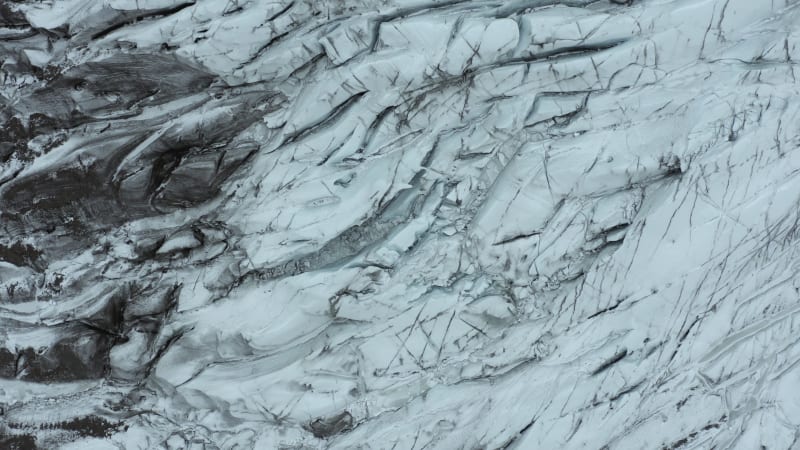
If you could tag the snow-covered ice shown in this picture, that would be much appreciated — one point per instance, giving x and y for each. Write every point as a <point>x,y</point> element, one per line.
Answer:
<point>406,224</point>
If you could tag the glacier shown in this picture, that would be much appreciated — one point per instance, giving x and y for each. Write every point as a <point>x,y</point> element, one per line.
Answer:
<point>399,224</point>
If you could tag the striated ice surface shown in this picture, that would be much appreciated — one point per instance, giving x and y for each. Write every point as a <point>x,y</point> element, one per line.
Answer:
<point>399,224</point>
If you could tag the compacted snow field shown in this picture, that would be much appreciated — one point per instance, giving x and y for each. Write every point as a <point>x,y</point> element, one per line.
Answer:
<point>399,224</point>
